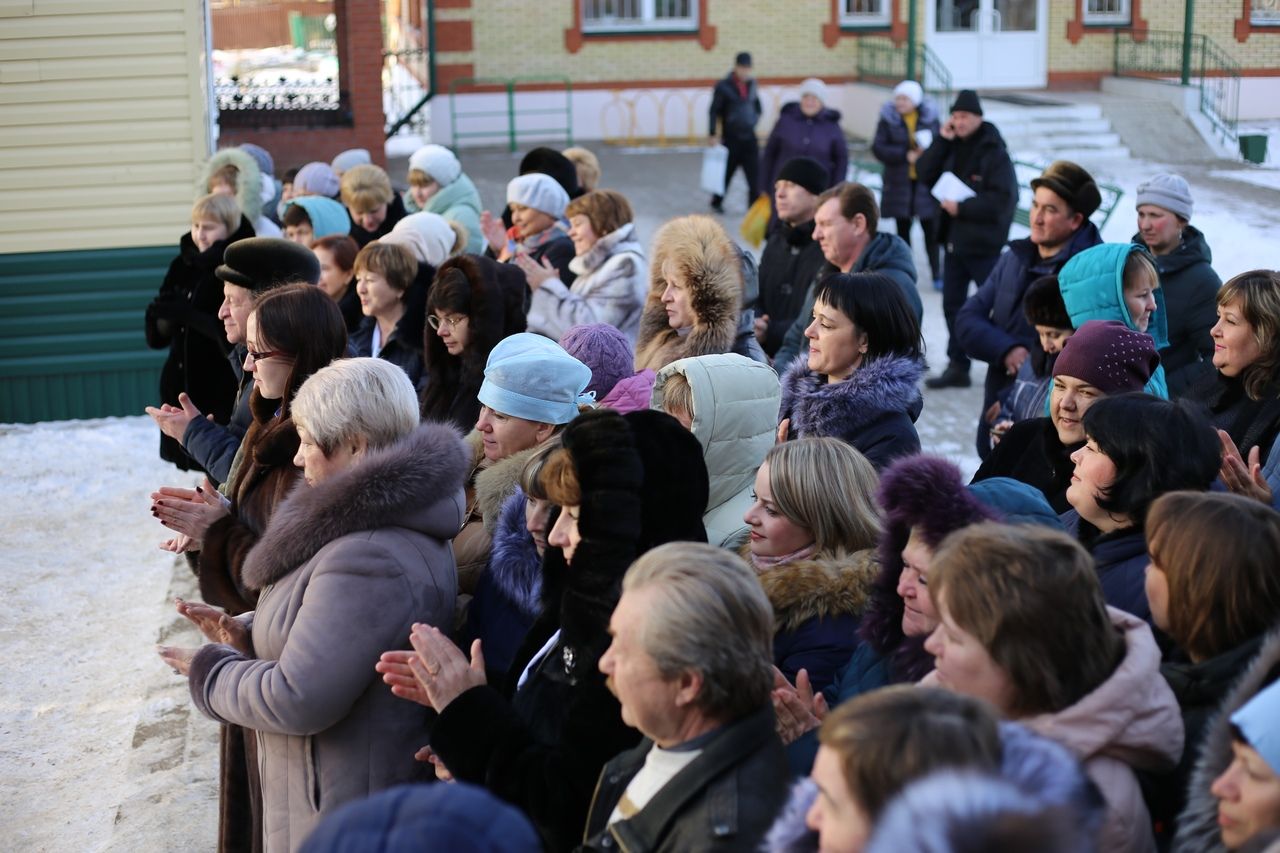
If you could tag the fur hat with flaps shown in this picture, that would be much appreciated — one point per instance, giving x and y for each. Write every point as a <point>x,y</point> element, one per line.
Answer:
<point>702,258</point>
<point>1073,184</point>
<point>925,493</point>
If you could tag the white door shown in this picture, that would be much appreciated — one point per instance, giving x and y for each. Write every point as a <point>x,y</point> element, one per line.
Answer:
<point>990,43</point>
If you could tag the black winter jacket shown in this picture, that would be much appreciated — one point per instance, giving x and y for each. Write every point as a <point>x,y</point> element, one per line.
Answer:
<point>212,445</point>
<point>1190,298</point>
<point>736,115</point>
<point>395,212</point>
<point>725,799</point>
<point>789,266</point>
<point>1031,453</point>
<point>981,225</point>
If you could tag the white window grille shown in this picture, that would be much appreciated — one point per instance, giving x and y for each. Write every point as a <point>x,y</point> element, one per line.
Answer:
<point>1107,12</point>
<point>863,13</point>
<point>629,16</point>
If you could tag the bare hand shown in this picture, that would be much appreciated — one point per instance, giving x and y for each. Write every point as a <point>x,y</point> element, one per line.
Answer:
<point>176,658</point>
<point>797,709</point>
<point>173,420</point>
<point>999,429</point>
<point>495,233</point>
<point>992,412</point>
<point>394,667</point>
<point>761,327</point>
<point>180,544</point>
<point>1244,479</point>
<point>913,155</point>
<point>1013,360</point>
<point>534,273</point>
<point>440,668</point>
<point>948,129</point>
<point>429,755</point>
<point>191,517</point>
<point>784,430</point>
<point>216,625</point>
<point>951,206</point>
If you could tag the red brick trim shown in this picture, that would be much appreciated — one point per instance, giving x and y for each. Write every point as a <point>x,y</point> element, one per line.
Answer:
<point>446,73</point>
<point>454,36</point>
<point>705,35</point>
<point>1076,79</point>
<point>1076,27</point>
<point>833,31</point>
<point>453,4</point>
<point>1244,28</point>
<point>682,83</point>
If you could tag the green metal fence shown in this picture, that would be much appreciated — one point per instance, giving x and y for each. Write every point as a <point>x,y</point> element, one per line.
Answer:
<point>505,123</point>
<point>1159,54</point>
<point>883,62</point>
<point>71,335</point>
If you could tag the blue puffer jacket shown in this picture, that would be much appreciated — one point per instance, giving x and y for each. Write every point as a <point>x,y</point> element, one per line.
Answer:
<point>1092,285</point>
<point>887,254</point>
<point>890,146</point>
<point>991,322</point>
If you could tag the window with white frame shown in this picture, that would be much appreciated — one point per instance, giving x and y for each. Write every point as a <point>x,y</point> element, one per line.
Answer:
<point>628,16</point>
<point>1106,12</point>
<point>864,13</point>
<point>1264,13</point>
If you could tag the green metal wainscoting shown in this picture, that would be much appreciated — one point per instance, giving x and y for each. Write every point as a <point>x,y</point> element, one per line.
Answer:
<point>71,337</point>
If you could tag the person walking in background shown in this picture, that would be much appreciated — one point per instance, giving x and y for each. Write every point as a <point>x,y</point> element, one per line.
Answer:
<point>907,127</point>
<point>973,228</point>
<point>735,106</point>
<point>807,128</point>
<point>1187,278</point>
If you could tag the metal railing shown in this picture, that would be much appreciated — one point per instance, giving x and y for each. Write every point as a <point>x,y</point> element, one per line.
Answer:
<point>406,80</point>
<point>511,130</point>
<point>883,62</point>
<point>1158,54</point>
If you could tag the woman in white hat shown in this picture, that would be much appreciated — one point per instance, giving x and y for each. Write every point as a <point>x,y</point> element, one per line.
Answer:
<point>806,128</point>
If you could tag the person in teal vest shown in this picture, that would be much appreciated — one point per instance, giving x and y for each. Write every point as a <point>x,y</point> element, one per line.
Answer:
<point>1118,281</point>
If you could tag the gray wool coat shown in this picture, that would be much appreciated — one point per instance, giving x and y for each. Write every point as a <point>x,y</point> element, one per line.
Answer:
<point>345,568</point>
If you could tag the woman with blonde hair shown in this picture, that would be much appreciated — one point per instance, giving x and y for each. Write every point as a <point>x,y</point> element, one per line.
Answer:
<point>814,528</point>
<point>695,293</point>
<point>374,207</point>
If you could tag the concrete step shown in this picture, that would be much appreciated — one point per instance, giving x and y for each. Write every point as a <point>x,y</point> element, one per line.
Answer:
<point>1047,127</point>
<point>1065,140</point>
<point>1082,154</point>
<point>995,112</point>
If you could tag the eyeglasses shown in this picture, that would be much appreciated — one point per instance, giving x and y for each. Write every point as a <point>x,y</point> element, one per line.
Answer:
<point>452,322</point>
<point>271,353</point>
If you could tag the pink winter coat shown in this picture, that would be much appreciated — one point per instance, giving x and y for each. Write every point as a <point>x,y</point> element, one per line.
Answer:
<point>631,394</point>
<point>1131,722</point>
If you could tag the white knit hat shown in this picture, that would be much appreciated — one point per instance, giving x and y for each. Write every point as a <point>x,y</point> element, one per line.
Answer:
<point>438,162</point>
<point>539,191</point>
<point>814,86</point>
<point>913,90</point>
<point>427,235</point>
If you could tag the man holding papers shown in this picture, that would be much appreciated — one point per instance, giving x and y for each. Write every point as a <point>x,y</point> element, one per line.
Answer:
<point>972,177</point>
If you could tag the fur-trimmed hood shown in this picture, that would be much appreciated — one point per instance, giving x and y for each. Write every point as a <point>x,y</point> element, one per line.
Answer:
<point>820,587</point>
<point>706,260</point>
<point>1198,830</point>
<point>248,182</point>
<point>880,386</point>
<point>514,565</point>
<point>416,483</point>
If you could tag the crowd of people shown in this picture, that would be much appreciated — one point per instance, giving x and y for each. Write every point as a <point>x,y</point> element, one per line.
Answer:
<point>521,532</point>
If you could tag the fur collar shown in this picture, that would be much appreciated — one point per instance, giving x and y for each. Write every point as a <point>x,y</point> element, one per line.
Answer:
<point>408,484</point>
<point>496,481</point>
<point>881,386</point>
<point>1198,824</point>
<point>514,565</point>
<point>822,586</point>
<point>706,259</point>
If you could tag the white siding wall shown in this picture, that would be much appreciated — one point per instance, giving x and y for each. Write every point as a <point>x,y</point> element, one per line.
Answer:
<point>103,123</point>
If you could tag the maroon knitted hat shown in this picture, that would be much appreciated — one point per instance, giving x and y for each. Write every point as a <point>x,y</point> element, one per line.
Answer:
<point>1109,356</point>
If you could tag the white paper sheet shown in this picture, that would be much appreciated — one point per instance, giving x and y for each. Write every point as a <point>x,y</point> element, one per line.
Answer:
<point>951,188</point>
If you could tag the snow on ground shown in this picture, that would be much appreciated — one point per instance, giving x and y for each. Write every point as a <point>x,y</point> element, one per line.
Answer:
<point>95,747</point>
<point>1257,177</point>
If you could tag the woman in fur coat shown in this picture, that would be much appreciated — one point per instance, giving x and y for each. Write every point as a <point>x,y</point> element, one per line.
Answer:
<point>625,484</point>
<point>695,294</point>
<point>814,554</point>
<point>348,564</point>
<point>860,382</point>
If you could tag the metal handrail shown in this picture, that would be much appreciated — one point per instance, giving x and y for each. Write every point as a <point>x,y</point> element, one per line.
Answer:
<point>511,132</point>
<point>1159,54</point>
<point>882,61</point>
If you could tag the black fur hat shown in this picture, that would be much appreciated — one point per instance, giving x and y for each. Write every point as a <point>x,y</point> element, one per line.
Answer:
<point>1043,304</point>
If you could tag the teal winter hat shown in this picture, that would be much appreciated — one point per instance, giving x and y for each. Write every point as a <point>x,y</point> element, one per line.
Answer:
<point>1259,722</point>
<point>532,377</point>
<point>327,216</point>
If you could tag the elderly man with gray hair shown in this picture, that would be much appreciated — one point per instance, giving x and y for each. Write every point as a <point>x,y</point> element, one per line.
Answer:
<point>690,663</point>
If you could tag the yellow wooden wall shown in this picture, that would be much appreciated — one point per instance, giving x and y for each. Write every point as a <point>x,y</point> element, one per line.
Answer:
<point>103,123</point>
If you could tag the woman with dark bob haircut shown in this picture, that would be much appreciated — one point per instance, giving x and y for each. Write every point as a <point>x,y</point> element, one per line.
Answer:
<point>861,380</point>
<point>1214,591</point>
<point>1137,448</point>
<point>1023,626</point>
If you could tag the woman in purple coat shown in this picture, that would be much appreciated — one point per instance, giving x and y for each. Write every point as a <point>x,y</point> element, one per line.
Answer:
<point>806,129</point>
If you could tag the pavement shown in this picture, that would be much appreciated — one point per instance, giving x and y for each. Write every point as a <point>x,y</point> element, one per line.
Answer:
<point>664,183</point>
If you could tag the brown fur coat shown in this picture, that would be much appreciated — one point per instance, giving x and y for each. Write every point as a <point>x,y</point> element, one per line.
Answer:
<point>703,258</point>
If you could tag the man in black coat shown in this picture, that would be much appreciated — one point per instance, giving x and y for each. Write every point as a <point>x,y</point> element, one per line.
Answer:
<point>735,105</point>
<point>973,230</point>
<point>691,665</point>
<point>792,258</point>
